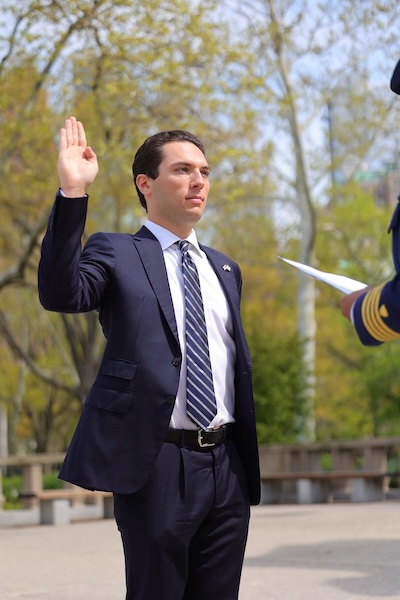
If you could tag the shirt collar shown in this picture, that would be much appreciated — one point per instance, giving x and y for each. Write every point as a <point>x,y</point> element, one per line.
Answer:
<point>167,238</point>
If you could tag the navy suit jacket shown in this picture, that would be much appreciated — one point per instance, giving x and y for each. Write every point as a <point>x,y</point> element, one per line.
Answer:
<point>127,411</point>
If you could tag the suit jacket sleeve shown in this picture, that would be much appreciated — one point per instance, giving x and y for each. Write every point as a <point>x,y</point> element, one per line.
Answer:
<point>70,280</point>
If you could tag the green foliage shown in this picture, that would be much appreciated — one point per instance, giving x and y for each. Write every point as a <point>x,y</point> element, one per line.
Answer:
<point>353,237</point>
<point>279,386</point>
<point>379,375</point>
<point>357,387</point>
<point>245,232</point>
<point>128,69</point>
<point>12,487</point>
<point>51,481</point>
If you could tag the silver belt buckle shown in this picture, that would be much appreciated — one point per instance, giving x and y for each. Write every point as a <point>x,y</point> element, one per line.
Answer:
<point>200,440</point>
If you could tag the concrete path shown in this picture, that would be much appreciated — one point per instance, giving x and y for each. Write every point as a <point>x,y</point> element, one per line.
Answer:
<point>313,552</point>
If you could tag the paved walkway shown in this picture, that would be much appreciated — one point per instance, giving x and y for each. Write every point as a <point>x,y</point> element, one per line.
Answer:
<point>313,552</point>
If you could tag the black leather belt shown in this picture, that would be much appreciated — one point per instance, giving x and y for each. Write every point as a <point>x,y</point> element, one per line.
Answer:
<point>202,438</point>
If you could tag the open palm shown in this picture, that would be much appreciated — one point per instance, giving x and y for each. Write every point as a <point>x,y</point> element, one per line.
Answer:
<point>77,163</point>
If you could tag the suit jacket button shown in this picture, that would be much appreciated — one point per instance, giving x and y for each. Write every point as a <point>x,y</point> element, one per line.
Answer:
<point>177,361</point>
<point>170,399</point>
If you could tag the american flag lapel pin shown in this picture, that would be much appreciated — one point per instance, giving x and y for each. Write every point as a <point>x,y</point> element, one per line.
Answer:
<point>226,268</point>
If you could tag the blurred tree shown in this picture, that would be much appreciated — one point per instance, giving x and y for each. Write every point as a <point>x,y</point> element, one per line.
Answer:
<point>307,54</point>
<point>246,232</point>
<point>126,70</point>
<point>280,385</point>
<point>254,80</point>
<point>357,387</point>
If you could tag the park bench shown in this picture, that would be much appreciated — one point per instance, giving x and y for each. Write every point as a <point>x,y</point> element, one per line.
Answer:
<point>358,470</point>
<point>318,486</point>
<point>61,506</point>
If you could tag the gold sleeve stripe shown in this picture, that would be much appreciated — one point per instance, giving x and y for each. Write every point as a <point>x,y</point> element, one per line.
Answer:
<point>372,320</point>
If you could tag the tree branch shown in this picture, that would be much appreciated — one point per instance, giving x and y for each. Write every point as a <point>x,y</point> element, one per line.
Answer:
<point>43,375</point>
<point>16,272</point>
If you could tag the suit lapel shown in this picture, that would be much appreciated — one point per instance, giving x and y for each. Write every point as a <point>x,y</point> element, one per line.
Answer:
<point>226,275</point>
<point>152,259</point>
<point>225,271</point>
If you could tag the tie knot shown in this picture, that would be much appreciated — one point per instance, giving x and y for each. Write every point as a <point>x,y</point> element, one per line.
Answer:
<point>183,246</point>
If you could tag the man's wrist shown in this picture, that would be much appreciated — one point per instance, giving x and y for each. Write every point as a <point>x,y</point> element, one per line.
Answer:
<point>72,192</point>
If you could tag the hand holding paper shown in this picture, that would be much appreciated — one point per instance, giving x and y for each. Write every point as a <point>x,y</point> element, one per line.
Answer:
<point>340,282</point>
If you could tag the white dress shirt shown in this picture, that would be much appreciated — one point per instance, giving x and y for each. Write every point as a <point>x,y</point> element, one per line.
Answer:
<point>219,327</point>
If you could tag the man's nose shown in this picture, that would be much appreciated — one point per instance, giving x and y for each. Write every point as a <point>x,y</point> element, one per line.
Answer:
<point>197,179</point>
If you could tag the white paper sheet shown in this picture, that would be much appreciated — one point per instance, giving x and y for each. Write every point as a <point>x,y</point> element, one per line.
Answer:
<point>340,282</point>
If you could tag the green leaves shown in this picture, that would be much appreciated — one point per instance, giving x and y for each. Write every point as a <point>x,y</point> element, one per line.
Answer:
<point>254,81</point>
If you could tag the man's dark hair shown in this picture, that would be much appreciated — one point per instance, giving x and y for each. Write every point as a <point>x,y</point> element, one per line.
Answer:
<point>150,154</point>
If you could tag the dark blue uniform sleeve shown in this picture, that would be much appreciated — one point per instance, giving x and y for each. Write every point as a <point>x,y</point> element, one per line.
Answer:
<point>376,314</point>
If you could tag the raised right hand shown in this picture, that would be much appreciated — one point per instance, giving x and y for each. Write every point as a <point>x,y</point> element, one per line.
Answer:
<point>77,163</point>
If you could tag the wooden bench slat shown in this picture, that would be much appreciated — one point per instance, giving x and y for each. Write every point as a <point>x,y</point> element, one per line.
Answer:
<point>66,494</point>
<point>313,475</point>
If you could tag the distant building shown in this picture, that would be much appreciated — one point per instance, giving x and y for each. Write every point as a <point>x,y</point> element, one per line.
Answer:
<point>383,184</point>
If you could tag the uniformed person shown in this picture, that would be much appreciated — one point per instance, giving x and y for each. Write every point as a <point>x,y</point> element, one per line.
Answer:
<point>375,311</point>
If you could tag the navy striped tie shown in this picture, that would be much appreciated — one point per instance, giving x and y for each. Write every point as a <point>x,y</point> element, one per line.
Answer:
<point>201,404</point>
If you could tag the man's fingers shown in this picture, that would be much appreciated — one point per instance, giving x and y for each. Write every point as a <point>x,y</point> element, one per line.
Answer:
<point>63,139</point>
<point>68,132</point>
<point>74,133</point>
<point>81,134</point>
<point>77,163</point>
<point>89,154</point>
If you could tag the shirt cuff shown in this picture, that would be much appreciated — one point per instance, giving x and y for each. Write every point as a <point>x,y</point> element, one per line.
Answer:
<point>61,193</point>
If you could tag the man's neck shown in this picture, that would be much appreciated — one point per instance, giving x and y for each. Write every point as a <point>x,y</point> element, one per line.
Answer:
<point>180,232</point>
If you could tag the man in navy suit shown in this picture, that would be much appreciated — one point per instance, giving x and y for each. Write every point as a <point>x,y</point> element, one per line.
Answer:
<point>181,492</point>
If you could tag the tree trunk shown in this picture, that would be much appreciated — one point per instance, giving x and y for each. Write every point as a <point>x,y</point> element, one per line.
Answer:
<point>306,323</point>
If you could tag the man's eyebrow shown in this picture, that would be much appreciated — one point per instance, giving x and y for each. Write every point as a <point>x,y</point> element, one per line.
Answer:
<point>189,164</point>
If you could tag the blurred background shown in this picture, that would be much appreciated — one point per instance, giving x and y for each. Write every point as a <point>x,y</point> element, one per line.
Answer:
<point>292,101</point>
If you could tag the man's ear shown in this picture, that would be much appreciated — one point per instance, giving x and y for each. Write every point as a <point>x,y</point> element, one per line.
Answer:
<point>142,182</point>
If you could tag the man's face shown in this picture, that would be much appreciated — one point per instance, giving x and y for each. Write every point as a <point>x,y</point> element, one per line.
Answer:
<point>176,199</point>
